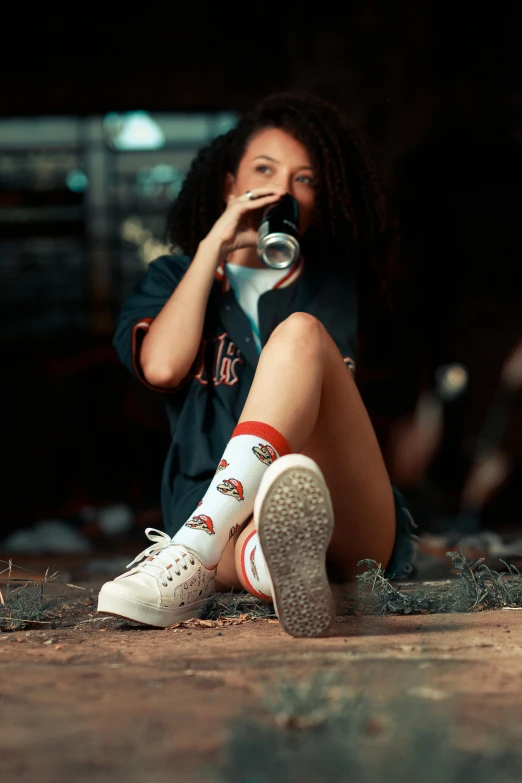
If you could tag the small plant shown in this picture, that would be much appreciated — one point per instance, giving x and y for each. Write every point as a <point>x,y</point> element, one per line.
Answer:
<point>311,702</point>
<point>322,731</point>
<point>477,588</point>
<point>238,605</point>
<point>23,601</point>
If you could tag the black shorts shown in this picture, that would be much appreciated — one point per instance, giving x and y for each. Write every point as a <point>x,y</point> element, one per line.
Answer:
<point>401,565</point>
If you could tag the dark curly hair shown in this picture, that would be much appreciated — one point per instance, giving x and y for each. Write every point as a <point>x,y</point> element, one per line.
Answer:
<point>352,218</point>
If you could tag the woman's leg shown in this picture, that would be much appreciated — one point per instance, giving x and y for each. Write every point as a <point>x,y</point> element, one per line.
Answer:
<point>303,388</point>
<point>227,575</point>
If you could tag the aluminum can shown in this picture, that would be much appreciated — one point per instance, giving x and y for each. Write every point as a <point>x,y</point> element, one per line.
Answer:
<point>278,243</point>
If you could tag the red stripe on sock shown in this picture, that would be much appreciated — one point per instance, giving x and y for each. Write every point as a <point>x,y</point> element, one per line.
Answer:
<point>265,431</point>
<point>251,587</point>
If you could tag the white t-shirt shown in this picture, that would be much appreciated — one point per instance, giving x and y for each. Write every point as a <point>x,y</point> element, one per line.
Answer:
<point>248,284</point>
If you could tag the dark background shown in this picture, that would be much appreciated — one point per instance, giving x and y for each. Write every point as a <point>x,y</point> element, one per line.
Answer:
<point>437,88</point>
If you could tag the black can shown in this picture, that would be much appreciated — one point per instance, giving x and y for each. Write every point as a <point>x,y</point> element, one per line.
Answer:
<point>278,243</point>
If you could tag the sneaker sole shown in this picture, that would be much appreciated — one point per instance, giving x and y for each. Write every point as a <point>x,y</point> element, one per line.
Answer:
<point>295,524</point>
<point>121,605</point>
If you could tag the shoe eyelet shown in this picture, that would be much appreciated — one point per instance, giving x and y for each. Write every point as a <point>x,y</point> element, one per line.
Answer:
<point>192,562</point>
<point>164,584</point>
<point>184,567</point>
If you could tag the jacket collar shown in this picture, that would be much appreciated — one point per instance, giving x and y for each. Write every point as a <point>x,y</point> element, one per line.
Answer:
<point>234,319</point>
<point>294,272</point>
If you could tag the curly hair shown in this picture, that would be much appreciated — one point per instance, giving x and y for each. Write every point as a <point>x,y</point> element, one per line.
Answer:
<point>352,217</point>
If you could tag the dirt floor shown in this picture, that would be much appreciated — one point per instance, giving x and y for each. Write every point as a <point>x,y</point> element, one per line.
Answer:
<point>87,697</point>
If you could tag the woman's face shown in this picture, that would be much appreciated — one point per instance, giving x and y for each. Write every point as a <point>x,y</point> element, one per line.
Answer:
<point>274,157</point>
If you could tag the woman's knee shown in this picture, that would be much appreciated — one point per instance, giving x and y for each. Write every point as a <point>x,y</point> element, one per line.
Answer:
<point>299,329</point>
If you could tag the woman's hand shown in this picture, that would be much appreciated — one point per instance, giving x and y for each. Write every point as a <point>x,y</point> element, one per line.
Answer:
<point>237,227</point>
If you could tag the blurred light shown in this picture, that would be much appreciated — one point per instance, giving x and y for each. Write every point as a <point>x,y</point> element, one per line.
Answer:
<point>132,230</point>
<point>452,381</point>
<point>77,181</point>
<point>158,180</point>
<point>115,520</point>
<point>223,122</point>
<point>173,190</point>
<point>512,370</point>
<point>149,248</point>
<point>163,173</point>
<point>135,130</point>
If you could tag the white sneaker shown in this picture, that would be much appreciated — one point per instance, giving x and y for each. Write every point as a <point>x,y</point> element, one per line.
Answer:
<point>294,518</point>
<point>170,585</point>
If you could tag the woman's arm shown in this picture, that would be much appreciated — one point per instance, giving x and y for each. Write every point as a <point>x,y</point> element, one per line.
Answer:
<point>166,361</point>
<point>165,358</point>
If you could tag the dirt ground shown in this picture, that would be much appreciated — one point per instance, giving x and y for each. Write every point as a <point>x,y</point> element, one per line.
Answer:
<point>102,699</point>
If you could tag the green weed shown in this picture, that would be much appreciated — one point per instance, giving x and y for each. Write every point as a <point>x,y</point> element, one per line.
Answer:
<point>476,588</point>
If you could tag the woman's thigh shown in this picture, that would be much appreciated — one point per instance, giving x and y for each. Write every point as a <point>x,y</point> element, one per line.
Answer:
<point>345,447</point>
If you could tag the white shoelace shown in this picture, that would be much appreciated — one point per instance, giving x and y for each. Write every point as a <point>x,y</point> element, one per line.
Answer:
<point>153,553</point>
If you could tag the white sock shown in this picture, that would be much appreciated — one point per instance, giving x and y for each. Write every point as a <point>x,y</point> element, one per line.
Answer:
<point>254,568</point>
<point>229,500</point>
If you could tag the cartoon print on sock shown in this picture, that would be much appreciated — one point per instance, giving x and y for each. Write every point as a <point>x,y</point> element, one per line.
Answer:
<point>231,487</point>
<point>222,465</point>
<point>201,522</point>
<point>253,565</point>
<point>265,453</point>
<point>233,530</point>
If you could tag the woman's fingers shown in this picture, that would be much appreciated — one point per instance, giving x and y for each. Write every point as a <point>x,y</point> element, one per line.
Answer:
<point>237,226</point>
<point>251,205</point>
<point>257,193</point>
<point>259,197</point>
<point>239,212</point>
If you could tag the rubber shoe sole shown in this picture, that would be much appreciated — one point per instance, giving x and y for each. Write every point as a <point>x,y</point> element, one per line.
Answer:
<point>294,520</point>
<point>112,602</point>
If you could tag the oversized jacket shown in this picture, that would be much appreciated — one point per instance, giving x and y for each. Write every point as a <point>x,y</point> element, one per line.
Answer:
<point>204,410</point>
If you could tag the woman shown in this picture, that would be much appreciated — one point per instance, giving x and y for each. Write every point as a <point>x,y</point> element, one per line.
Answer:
<point>256,368</point>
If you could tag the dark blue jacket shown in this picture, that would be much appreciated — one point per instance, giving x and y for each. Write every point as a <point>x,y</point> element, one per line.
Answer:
<point>204,410</point>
